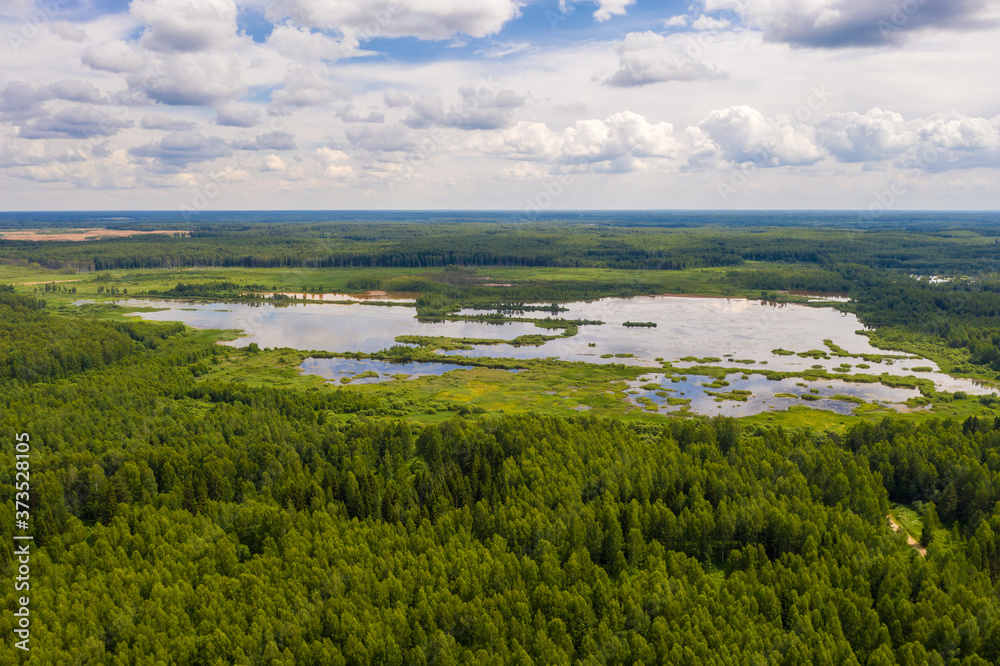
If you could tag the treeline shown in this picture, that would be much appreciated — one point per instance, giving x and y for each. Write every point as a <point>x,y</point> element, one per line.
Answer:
<point>534,244</point>
<point>220,289</point>
<point>964,313</point>
<point>36,347</point>
<point>191,521</point>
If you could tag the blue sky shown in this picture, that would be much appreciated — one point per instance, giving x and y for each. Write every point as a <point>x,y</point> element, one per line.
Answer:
<point>863,105</point>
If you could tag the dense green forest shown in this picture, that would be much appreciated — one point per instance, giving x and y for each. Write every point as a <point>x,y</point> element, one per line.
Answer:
<point>182,518</point>
<point>182,521</point>
<point>948,249</point>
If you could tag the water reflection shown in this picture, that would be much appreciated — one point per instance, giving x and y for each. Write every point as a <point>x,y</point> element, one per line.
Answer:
<point>368,297</point>
<point>761,394</point>
<point>369,371</point>
<point>737,332</point>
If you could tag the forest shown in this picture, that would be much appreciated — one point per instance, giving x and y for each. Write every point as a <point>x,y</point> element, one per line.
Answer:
<point>950,248</point>
<point>180,518</point>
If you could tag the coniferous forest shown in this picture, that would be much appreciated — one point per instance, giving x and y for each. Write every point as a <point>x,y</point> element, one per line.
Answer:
<point>182,518</point>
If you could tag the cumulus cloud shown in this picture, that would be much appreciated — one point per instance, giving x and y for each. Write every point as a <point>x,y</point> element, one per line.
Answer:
<point>481,108</point>
<point>20,152</point>
<point>177,150</point>
<point>390,139</point>
<point>743,134</point>
<point>75,122</point>
<point>186,54</point>
<point>621,142</point>
<point>307,87</point>
<point>838,23</point>
<point>273,163</point>
<point>608,8</point>
<point>161,121</point>
<point>114,56</point>
<point>425,19</point>
<point>77,91</point>
<point>195,79</point>
<point>395,99</point>
<point>24,99</point>
<point>348,116</point>
<point>267,141</point>
<point>237,115</point>
<point>853,137</point>
<point>303,45</point>
<point>704,23</point>
<point>936,143</point>
<point>108,172</point>
<point>628,141</point>
<point>185,25</point>
<point>648,57</point>
<point>69,32</point>
<point>334,163</point>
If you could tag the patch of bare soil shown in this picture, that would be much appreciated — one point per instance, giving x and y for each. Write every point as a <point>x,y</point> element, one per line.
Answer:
<point>76,235</point>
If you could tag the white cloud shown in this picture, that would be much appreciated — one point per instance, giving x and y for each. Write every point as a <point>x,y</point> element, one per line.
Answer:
<point>648,57</point>
<point>302,45</point>
<point>482,107</point>
<point>937,143</point>
<point>177,150</point>
<point>75,122</point>
<point>334,163</point>
<point>707,23</point>
<point>21,152</point>
<point>378,140</point>
<point>836,23</point>
<point>426,19</point>
<point>108,172</point>
<point>68,31</point>
<point>185,25</point>
<point>680,21</point>
<point>196,79</point>
<point>274,163</point>
<point>21,100</point>
<point>308,87</point>
<point>876,135</point>
<point>77,91</point>
<point>395,99</point>
<point>267,141</point>
<point>608,8</point>
<point>348,116</point>
<point>163,122</point>
<point>622,142</point>
<point>743,134</point>
<point>237,115</point>
<point>114,56</point>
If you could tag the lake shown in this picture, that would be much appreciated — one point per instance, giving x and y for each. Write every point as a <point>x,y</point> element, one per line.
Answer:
<point>740,333</point>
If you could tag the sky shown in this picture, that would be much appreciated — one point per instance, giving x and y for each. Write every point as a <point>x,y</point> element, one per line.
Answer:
<point>523,105</point>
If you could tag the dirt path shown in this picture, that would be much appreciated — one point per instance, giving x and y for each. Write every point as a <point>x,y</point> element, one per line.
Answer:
<point>896,527</point>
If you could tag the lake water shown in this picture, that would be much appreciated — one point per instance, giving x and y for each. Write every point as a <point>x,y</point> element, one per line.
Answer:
<point>369,297</point>
<point>729,329</point>
<point>765,395</point>
<point>337,369</point>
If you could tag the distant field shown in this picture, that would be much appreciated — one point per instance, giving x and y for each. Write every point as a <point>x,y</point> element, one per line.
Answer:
<point>78,235</point>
